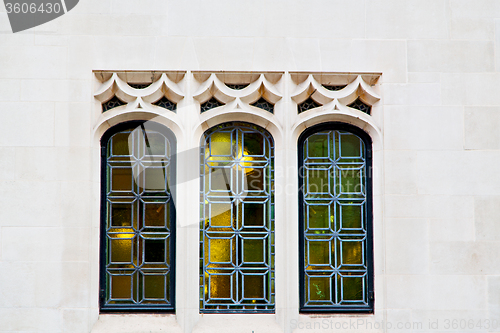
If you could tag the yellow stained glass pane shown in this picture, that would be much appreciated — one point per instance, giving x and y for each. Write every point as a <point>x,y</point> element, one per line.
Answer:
<point>350,145</point>
<point>121,249</point>
<point>220,250</point>
<point>319,288</point>
<point>220,143</point>
<point>121,179</point>
<point>352,253</point>
<point>317,181</point>
<point>154,286</point>
<point>253,250</point>
<point>254,286</point>
<point>352,288</point>
<point>220,286</point>
<point>121,286</point>
<point>319,216</point>
<point>319,252</point>
<point>220,214</point>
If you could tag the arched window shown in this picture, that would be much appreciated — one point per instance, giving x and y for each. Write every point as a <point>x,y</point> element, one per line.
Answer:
<point>137,217</point>
<point>335,217</point>
<point>237,219</point>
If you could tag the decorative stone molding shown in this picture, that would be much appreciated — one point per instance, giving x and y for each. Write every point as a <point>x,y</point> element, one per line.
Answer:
<point>351,87</point>
<point>133,98</point>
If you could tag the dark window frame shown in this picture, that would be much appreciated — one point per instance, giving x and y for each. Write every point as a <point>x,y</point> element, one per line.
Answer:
<point>369,221</point>
<point>105,139</point>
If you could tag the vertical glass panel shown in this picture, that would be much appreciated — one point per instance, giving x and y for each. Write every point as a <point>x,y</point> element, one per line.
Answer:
<point>138,231</point>
<point>333,221</point>
<point>237,245</point>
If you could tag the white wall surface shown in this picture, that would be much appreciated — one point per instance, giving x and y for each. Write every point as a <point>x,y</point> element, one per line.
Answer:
<point>437,233</point>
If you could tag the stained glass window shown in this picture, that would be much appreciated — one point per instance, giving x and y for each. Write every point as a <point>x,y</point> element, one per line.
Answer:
<point>358,104</point>
<point>335,220</point>
<point>308,104</point>
<point>138,218</point>
<point>237,220</point>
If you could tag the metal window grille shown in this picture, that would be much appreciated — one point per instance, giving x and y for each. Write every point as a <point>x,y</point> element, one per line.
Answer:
<point>335,221</point>
<point>138,218</point>
<point>237,220</point>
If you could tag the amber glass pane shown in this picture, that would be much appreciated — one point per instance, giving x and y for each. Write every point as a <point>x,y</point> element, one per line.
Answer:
<point>155,214</point>
<point>255,179</point>
<point>220,286</point>
<point>154,286</point>
<point>319,252</point>
<point>121,286</point>
<point>254,286</point>
<point>352,288</point>
<point>319,288</point>
<point>121,250</point>
<point>317,145</point>
<point>319,217</point>
<point>121,179</point>
<point>253,250</point>
<point>120,145</point>
<point>220,250</point>
<point>349,145</point>
<point>352,252</point>
<point>121,215</point>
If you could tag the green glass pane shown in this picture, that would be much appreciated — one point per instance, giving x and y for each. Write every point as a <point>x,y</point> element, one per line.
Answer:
<point>155,214</point>
<point>220,286</point>
<point>352,252</point>
<point>254,214</point>
<point>254,286</point>
<point>154,286</point>
<point>253,250</point>
<point>220,250</point>
<point>121,286</point>
<point>121,215</point>
<point>253,144</point>
<point>154,250</point>
<point>352,288</point>
<point>317,181</point>
<point>351,216</point>
<point>319,252</point>
<point>319,288</point>
<point>154,179</point>
<point>350,145</point>
<point>156,144</point>
<point>221,215</point>
<point>317,145</point>
<point>119,144</point>
<point>121,179</point>
<point>220,143</point>
<point>350,180</point>
<point>121,249</point>
<point>319,216</point>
